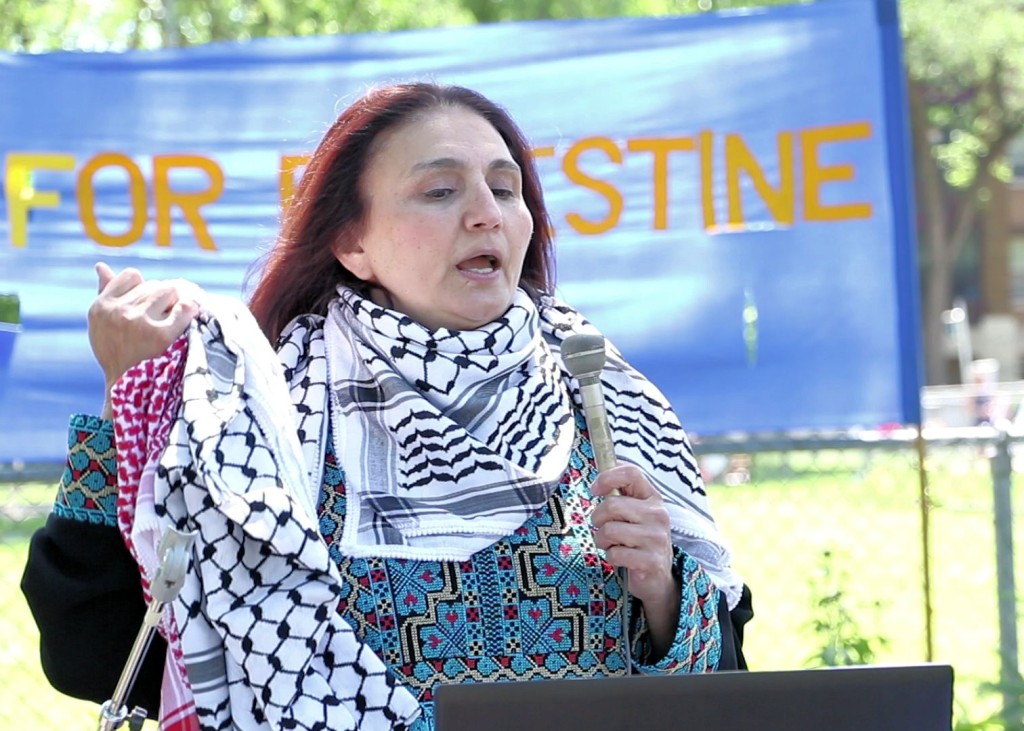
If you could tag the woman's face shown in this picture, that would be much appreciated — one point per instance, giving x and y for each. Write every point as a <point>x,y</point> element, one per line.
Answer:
<point>446,227</point>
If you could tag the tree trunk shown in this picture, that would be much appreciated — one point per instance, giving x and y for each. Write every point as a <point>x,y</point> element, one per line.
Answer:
<point>938,297</point>
<point>935,267</point>
<point>169,25</point>
<point>995,251</point>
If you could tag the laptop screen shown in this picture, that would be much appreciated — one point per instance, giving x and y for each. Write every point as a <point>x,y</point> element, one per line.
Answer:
<point>875,698</point>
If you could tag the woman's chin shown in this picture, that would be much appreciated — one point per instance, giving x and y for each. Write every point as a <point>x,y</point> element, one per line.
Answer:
<point>476,315</point>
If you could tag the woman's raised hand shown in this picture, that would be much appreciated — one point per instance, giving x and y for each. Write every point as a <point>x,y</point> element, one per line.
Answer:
<point>633,528</point>
<point>133,319</point>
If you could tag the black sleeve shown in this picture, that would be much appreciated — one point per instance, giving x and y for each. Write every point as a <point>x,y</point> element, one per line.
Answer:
<point>732,622</point>
<point>83,589</point>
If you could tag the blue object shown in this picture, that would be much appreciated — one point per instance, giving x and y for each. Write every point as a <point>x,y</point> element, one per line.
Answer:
<point>731,194</point>
<point>8,334</point>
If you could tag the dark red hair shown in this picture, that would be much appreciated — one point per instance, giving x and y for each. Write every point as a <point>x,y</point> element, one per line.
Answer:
<point>327,213</point>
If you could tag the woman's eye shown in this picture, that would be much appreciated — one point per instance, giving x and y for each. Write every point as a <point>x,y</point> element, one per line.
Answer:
<point>439,193</point>
<point>503,192</point>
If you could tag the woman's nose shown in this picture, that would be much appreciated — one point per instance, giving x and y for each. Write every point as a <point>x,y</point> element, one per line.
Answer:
<point>483,211</point>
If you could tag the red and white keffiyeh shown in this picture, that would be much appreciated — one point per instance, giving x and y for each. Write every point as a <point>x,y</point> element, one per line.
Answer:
<point>146,400</point>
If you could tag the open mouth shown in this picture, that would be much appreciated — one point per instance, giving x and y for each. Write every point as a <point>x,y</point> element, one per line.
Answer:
<point>483,264</point>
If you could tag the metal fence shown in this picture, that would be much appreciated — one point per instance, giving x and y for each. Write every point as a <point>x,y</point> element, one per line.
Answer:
<point>881,547</point>
<point>891,547</point>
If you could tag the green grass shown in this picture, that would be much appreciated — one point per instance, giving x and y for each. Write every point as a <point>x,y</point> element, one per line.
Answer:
<point>10,308</point>
<point>26,699</point>
<point>867,516</point>
<point>861,507</point>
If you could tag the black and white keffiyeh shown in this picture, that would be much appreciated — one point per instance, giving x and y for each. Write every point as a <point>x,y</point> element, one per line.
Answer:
<point>451,439</point>
<point>263,644</point>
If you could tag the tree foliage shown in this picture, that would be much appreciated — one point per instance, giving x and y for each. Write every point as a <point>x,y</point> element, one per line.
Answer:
<point>115,25</point>
<point>965,61</point>
<point>973,81</point>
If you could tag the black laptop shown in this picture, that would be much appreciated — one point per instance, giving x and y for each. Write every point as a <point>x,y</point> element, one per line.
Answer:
<point>864,698</point>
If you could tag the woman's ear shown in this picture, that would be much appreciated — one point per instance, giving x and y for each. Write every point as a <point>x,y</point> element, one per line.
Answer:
<point>354,258</point>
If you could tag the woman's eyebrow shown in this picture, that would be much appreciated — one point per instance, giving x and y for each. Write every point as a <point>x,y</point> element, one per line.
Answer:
<point>453,163</point>
<point>505,164</point>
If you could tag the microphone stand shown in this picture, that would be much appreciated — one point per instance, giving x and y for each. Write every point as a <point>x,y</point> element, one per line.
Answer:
<point>174,550</point>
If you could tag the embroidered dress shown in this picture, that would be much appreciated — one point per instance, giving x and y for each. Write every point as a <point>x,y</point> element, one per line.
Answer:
<point>539,603</point>
<point>87,491</point>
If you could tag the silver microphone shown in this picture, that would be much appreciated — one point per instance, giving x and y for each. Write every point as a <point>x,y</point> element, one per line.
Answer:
<point>584,357</point>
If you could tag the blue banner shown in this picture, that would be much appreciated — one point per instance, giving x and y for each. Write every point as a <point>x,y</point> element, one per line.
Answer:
<point>730,194</point>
